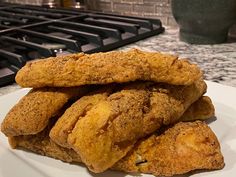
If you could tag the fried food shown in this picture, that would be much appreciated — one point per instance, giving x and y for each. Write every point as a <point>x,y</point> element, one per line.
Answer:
<point>66,123</point>
<point>118,120</point>
<point>42,144</point>
<point>32,113</point>
<point>103,68</point>
<point>182,148</point>
<point>129,122</point>
<point>202,109</point>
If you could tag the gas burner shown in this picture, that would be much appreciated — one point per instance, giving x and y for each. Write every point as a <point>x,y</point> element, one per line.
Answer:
<point>32,32</point>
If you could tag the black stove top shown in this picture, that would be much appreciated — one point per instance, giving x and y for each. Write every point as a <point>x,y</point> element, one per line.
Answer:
<point>32,32</point>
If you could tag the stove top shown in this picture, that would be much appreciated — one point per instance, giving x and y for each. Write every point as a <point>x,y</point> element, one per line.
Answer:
<point>32,32</point>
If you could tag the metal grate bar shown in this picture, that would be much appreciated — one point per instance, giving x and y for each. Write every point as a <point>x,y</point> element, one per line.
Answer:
<point>6,75</point>
<point>93,38</point>
<point>13,58</point>
<point>17,15</point>
<point>43,50</point>
<point>143,23</point>
<point>71,44</point>
<point>126,27</point>
<point>4,19</point>
<point>113,33</point>
<point>154,21</point>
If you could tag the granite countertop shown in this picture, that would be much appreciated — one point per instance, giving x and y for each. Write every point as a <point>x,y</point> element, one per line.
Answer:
<point>217,61</point>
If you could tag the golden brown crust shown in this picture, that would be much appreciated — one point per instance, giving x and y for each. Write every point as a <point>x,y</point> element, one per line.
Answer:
<point>113,125</point>
<point>31,114</point>
<point>200,110</point>
<point>184,147</point>
<point>118,118</point>
<point>110,67</point>
<point>40,143</point>
<point>36,142</point>
<point>66,123</point>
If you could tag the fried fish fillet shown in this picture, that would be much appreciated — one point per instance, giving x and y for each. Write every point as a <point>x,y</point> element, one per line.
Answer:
<point>182,148</point>
<point>40,143</point>
<point>200,110</point>
<point>106,131</point>
<point>103,68</point>
<point>32,113</point>
<point>66,123</point>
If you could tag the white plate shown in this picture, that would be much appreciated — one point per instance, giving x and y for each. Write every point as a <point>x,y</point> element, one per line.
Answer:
<point>14,163</point>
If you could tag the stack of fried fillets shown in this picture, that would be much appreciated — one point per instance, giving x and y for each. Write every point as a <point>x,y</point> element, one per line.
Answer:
<point>132,111</point>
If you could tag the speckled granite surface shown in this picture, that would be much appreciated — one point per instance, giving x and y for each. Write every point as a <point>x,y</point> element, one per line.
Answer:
<point>217,61</point>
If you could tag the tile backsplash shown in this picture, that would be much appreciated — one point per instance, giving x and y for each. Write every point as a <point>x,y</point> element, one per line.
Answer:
<point>144,8</point>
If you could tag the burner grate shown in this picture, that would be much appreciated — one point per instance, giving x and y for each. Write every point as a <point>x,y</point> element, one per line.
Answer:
<point>32,32</point>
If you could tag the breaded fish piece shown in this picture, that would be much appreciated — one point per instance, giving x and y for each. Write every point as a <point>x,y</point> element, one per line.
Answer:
<point>110,67</point>
<point>185,147</point>
<point>41,143</point>
<point>105,133</point>
<point>202,109</point>
<point>66,123</point>
<point>32,113</point>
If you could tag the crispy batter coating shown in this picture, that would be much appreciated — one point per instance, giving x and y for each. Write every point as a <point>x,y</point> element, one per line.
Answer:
<point>124,125</point>
<point>201,109</point>
<point>184,147</point>
<point>31,114</point>
<point>66,123</point>
<point>102,68</point>
<point>106,132</point>
<point>40,143</point>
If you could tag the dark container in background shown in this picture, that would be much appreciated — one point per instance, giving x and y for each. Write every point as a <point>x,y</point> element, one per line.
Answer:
<point>204,21</point>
